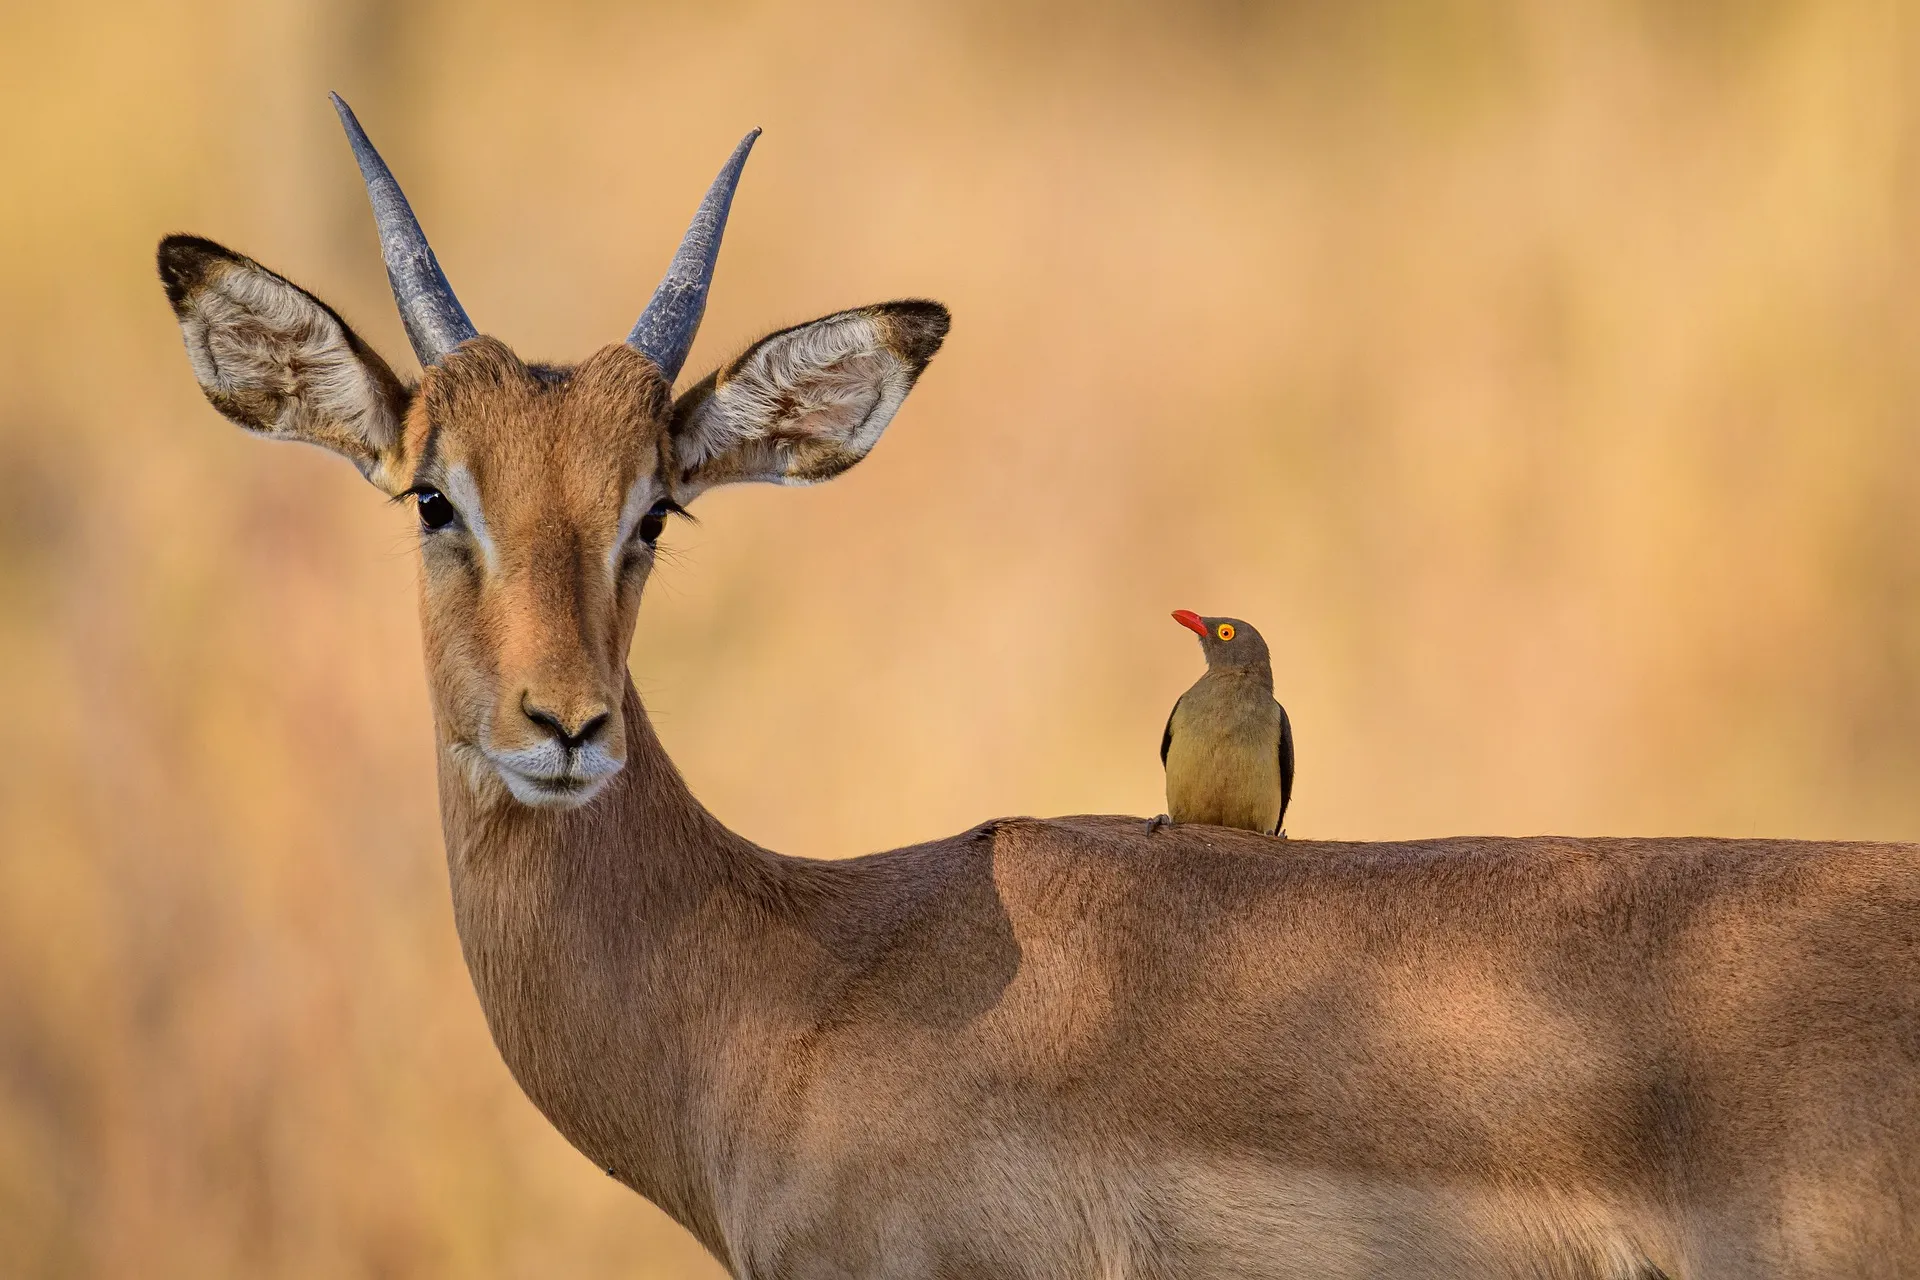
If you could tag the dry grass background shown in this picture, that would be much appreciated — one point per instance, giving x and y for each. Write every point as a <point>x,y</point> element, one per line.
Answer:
<point>1541,378</point>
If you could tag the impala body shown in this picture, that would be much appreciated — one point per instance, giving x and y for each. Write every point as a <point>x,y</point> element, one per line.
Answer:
<point>1070,1047</point>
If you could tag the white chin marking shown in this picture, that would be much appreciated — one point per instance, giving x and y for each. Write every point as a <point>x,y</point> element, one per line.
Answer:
<point>552,793</point>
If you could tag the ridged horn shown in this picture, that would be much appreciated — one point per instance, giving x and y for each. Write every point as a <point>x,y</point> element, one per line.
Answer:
<point>664,332</point>
<point>435,321</point>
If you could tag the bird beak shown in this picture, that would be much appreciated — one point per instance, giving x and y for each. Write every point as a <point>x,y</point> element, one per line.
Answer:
<point>1191,621</point>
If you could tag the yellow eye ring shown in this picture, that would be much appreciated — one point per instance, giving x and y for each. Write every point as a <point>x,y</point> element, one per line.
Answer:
<point>1225,631</point>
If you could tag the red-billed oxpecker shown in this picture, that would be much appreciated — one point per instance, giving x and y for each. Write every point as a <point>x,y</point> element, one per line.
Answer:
<point>1228,747</point>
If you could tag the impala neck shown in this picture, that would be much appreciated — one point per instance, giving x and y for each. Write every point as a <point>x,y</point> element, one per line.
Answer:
<point>612,946</point>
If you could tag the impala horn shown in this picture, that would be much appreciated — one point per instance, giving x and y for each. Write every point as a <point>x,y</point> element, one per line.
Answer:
<point>664,332</point>
<point>436,323</point>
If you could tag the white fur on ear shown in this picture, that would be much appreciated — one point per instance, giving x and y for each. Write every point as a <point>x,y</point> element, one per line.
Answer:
<point>274,359</point>
<point>800,406</point>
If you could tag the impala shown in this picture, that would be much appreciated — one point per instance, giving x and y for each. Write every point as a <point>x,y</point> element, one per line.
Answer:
<point>1060,1047</point>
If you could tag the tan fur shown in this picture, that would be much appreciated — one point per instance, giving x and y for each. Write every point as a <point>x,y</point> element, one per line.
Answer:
<point>1071,1048</point>
<point>1221,760</point>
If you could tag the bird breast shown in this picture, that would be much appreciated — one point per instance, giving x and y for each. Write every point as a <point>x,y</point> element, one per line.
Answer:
<point>1223,757</point>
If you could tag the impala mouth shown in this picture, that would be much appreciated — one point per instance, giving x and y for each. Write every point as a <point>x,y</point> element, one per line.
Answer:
<point>564,785</point>
<point>580,776</point>
<point>563,790</point>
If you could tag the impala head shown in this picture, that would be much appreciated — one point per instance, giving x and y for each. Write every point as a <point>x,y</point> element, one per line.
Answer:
<point>540,489</point>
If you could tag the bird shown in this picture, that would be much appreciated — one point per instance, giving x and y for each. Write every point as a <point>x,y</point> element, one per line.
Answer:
<point>1228,745</point>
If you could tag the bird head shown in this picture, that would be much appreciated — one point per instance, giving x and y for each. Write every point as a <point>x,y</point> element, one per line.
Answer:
<point>1227,642</point>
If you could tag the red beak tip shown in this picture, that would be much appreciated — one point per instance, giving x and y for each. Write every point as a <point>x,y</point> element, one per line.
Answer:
<point>1190,620</point>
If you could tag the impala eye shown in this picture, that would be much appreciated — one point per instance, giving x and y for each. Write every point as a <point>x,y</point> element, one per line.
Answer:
<point>435,511</point>
<point>655,520</point>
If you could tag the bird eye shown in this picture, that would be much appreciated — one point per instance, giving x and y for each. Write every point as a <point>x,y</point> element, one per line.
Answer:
<point>435,511</point>
<point>1225,631</point>
<point>654,521</point>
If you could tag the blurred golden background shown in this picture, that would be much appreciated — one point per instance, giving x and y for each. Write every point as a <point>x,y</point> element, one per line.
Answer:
<point>1542,379</point>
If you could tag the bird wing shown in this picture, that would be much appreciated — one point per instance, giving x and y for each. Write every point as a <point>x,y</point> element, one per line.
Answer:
<point>1286,766</point>
<point>1166,738</point>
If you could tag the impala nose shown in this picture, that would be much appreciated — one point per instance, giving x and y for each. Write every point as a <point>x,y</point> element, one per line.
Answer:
<point>571,732</point>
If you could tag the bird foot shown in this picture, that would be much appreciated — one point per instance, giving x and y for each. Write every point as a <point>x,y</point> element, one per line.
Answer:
<point>1154,824</point>
<point>1281,834</point>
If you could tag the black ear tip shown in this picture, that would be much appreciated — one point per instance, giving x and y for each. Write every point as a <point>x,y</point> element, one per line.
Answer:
<point>181,247</point>
<point>917,327</point>
<point>184,262</point>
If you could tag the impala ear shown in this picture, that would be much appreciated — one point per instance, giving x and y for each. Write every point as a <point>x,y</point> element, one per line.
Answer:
<point>804,404</point>
<point>279,361</point>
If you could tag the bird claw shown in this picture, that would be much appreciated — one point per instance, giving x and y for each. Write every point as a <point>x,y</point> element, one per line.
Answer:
<point>1154,824</point>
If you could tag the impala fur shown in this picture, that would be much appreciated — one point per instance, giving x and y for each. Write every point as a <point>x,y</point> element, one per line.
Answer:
<point>1064,1047</point>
